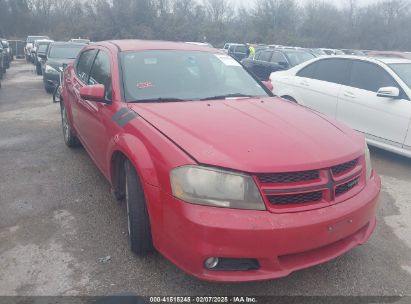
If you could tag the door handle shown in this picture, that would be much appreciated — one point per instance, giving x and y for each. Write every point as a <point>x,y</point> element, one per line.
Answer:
<point>305,83</point>
<point>349,94</point>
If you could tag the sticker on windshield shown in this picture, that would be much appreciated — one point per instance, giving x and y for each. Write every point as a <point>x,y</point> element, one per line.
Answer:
<point>227,60</point>
<point>145,85</point>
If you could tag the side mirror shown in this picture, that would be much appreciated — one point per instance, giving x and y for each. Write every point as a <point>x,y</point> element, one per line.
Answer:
<point>389,92</point>
<point>283,64</point>
<point>268,85</point>
<point>94,92</point>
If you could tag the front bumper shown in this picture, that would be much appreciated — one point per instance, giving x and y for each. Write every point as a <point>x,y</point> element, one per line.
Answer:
<point>282,243</point>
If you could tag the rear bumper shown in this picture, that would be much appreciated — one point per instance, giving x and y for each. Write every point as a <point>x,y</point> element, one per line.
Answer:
<point>282,243</point>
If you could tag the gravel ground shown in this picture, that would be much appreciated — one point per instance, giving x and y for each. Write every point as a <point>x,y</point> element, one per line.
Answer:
<point>58,220</point>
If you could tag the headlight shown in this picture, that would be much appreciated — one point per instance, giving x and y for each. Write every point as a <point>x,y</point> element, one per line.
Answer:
<point>215,187</point>
<point>50,69</point>
<point>368,166</point>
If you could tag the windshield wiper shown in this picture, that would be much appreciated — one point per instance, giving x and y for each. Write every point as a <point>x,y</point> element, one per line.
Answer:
<point>160,99</point>
<point>226,96</point>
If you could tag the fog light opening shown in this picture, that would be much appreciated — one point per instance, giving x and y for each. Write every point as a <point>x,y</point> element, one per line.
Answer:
<point>211,263</point>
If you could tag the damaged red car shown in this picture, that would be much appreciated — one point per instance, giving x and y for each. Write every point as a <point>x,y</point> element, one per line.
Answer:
<point>222,178</point>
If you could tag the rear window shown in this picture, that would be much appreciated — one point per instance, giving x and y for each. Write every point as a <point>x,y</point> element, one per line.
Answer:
<point>296,58</point>
<point>42,48</point>
<point>64,52</point>
<point>31,39</point>
<point>241,49</point>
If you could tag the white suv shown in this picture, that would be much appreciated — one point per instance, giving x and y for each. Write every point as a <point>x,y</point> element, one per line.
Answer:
<point>370,95</point>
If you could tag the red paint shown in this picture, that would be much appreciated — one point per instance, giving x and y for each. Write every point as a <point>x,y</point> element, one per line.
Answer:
<point>250,135</point>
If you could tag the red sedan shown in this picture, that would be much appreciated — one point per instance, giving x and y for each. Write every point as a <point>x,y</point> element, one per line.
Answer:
<point>222,178</point>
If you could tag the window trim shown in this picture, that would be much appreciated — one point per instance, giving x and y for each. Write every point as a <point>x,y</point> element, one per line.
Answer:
<point>78,61</point>
<point>283,55</point>
<point>324,59</point>
<point>111,70</point>
<point>403,94</point>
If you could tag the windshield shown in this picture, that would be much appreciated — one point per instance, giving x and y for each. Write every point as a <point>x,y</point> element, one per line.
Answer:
<point>184,75</point>
<point>65,52</point>
<point>296,58</point>
<point>403,70</point>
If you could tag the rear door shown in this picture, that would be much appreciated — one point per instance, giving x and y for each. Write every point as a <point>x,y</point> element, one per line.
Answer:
<point>319,84</point>
<point>382,119</point>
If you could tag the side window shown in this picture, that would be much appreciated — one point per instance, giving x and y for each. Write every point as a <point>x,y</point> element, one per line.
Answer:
<point>277,58</point>
<point>265,56</point>
<point>101,72</point>
<point>84,64</point>
<point>308,71</point>
<point>333,70</point>
<point>370,77</point>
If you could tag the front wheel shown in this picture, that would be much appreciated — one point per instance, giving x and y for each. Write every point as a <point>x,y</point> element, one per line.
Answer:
<point>69,138</point>
<point>139,230</point>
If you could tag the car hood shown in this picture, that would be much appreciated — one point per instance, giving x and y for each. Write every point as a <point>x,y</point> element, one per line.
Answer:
<point>57,63</point>
<point>253,135</point>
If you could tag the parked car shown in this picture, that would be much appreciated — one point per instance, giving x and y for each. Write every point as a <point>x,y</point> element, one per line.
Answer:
<point>268,61</point>
<point>2,69</point>
<point>58,54</point>
<point>352,52</point>
<point>29,45</point>
<point>80,40</point>
<point>370,95</point>
<point>332,51</point>
<point>41,55</point>
<point>7,55</point>
<point>388,54</point>
<point>227,46</point>
<point>238,51</point>
<point>222,178</point>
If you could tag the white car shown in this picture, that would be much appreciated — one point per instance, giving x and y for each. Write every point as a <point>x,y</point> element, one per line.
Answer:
<point>370,95</point>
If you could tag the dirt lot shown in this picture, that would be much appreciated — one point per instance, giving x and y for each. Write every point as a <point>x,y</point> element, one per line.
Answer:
<point>57,219</point>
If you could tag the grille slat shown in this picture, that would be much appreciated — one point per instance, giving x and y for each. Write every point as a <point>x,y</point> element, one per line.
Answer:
<point>336,170</point>
<point>289,177</point>
<point>291,199</point>
<point>344,188</point>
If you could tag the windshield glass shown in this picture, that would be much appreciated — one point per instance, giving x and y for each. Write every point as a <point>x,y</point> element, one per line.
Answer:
<point>186,75</point>
<point>403,70</point>
<point>296,58</point>
<point>64,52</point>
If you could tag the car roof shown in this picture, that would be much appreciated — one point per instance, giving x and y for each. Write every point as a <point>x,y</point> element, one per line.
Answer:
<point>386,60</point>
<point>144,45</point>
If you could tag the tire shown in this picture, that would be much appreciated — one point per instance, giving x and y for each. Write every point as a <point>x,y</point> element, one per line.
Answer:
<point>70,139</point>
<point>49,90</point>
<point>139,230</point>
<point>38,69</point>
